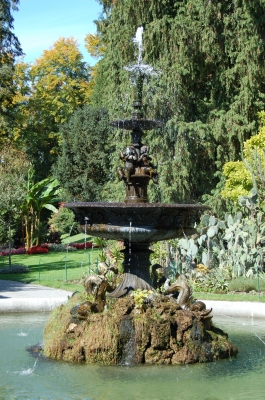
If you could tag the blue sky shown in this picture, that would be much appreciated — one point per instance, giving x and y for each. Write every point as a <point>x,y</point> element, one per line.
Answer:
<point>39,23</point>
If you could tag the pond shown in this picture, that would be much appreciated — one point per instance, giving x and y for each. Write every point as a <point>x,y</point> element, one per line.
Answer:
<point>26,376</point>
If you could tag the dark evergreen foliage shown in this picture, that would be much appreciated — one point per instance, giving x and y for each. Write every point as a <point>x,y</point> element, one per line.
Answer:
<point>212,85</point>
<point>9,50</point>
<point>83,164</point>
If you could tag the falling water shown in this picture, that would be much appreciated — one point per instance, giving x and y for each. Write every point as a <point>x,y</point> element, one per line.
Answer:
<point>67,251</point>
<point>127,339</point>
<point>85,240</point>
<point>28,371</point>
<point>86,219</point>
<point>21,333</point>
<point>68,241</point>
<point>130,246</point>
<point>244,324</point>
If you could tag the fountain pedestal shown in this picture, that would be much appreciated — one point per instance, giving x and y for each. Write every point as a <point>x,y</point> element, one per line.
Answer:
<point>136,260</point>
<point>136,190</point>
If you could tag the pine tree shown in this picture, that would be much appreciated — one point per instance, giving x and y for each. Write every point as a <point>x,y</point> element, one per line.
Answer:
<point>83,164</point>
<point>212,85</point>
<point>9,49</point>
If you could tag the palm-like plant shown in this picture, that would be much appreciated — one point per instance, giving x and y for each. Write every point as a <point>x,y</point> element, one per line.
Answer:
<point>40,195</point>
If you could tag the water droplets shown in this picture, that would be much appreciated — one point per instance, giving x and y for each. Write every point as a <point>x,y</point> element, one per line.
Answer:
<point>130,246</point>
<point>28,371</point>
<point>23,333</point>
<point>140,70</point>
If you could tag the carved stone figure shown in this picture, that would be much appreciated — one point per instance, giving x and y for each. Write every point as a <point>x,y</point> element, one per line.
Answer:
<point>158,276</point>
<point>182,287</point>
<point>144,162</point>
<point>97,286</point>
<point>130,158</point>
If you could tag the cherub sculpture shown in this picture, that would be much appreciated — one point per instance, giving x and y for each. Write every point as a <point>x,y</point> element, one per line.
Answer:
<point>144,162</point>
<point>130,158</point>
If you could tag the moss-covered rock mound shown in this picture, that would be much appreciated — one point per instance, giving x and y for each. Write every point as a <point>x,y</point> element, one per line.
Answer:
<point>159,332</point>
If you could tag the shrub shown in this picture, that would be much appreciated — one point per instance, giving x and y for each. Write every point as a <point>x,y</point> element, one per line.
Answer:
<point>99,242</point>
<point>54,237</point>
<point>20,250</point>
<point>14,269</point>
<point>38,249</point>
<point>64,222</point>
<point>45,245</point>
<point>245,285</point>
<point>60,247</point>
<point>213,281</point>
<point>80,246</point>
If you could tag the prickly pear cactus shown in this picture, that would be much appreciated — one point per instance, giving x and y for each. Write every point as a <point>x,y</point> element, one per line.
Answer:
<point>237,242</point>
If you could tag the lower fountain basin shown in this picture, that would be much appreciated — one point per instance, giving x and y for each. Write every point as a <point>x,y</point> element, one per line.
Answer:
<point>237,378</point>
<point>137,222</point>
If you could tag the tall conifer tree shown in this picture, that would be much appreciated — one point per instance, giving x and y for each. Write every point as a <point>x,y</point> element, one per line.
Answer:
<point>212,85</point>
<point>9,49</point>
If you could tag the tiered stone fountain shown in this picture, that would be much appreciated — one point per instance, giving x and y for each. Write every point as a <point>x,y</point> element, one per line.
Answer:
<point>160,329</point>
<point>137,222</point>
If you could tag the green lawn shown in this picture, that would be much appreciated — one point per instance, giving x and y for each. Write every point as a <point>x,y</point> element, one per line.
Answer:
<point>229,297</point>
<point>55,269</point>
<point>78,238</point>
<point>65,271</point>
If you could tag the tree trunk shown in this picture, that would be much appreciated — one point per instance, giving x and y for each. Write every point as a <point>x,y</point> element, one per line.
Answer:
<point>22,231</point>
<point>28,230</point>
<point>37,227</point>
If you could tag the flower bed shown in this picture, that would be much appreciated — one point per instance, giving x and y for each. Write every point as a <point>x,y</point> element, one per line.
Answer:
<point>38,249</point>
<point>60,247</point>
<point>81,246</point>
<point>20,250</point>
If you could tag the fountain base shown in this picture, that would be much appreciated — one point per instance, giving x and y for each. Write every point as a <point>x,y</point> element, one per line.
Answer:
<point>132,332</point>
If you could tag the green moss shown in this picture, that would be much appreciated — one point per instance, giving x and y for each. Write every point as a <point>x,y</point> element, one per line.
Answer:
<point>163,334</point>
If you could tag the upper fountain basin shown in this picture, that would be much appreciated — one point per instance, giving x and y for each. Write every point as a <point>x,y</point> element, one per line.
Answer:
<point>137,222</point>
<point>137,124</point>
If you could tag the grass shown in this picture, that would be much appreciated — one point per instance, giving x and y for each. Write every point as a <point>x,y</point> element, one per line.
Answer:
<point>54,269</point>
<point>65,271</point>
<point>79,238</point>
<point>239,289</point>
<point>247,284</point>
<point>228,297</point>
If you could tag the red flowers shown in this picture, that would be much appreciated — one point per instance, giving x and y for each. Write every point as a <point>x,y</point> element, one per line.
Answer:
<point>38,249</point>
<point>80,246</point>
<point>44,248</point>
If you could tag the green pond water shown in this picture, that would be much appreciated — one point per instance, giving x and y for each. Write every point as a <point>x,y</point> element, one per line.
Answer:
<point>24,376</point>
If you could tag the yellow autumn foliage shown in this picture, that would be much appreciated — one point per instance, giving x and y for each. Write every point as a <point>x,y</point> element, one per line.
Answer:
<point>94,45</point>
<point>48,92</point>
<point>238,177</point>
